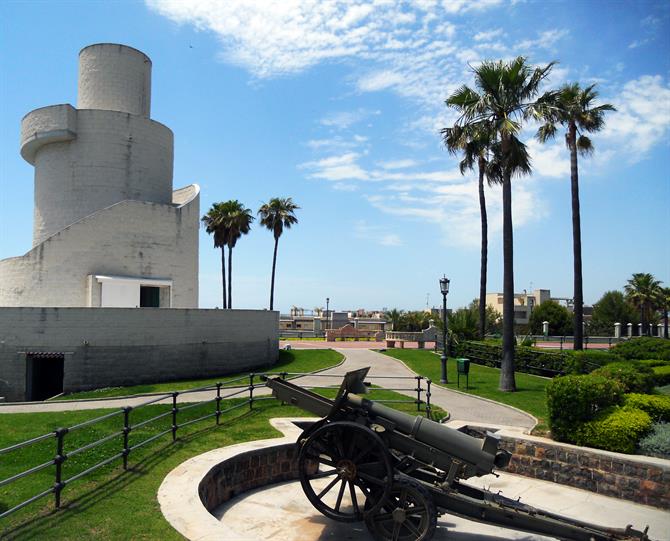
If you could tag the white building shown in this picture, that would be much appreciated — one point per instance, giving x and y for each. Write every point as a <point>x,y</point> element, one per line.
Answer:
<point>108,229</point>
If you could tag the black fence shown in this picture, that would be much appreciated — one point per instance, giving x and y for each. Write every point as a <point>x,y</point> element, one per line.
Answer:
<point>126,426</point>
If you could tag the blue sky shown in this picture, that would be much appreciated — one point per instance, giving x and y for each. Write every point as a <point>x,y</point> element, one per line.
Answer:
<point>339,105</point>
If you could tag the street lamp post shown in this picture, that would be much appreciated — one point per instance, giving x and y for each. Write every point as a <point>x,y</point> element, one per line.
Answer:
<point>327,313</point>
<point>444,288</point>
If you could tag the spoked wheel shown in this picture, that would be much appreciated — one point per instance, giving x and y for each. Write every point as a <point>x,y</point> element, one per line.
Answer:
<point>408,514</point>
<point>345,470</point>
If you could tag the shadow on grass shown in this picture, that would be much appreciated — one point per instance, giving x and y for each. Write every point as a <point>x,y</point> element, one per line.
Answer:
<point>94,492</point>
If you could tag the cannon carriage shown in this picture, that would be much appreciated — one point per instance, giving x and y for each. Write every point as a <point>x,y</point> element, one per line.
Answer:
<point>363,461</point>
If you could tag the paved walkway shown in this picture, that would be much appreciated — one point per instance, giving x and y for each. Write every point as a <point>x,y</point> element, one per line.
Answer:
<point>460,406</point>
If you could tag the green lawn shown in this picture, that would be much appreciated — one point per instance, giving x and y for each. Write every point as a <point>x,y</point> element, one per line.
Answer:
<point>304,360</point>
<point>530,395</point>
<point>112,504</point>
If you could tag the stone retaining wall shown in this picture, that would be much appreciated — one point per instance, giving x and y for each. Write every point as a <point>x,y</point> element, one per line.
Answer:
<point>247,471</point>
<point>639,479</point>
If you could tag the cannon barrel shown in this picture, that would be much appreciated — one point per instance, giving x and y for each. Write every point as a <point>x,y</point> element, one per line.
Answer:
<point>482,455</point>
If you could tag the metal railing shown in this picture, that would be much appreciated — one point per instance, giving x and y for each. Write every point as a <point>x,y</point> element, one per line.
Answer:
<point>126,427</point>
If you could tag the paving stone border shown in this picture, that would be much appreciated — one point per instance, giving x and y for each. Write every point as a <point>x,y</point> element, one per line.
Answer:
<point>639,479</point>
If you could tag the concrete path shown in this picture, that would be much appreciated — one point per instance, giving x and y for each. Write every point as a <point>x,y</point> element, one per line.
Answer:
<point>460,406</point>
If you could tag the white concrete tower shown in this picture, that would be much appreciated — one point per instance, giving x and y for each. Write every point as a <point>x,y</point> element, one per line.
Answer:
<point>106,160</point>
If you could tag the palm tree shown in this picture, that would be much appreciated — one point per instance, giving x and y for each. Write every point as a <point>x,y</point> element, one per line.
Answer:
<point>664,298</point>
<point>573,107</point>
<point>394,317</point>
<point>642,291</point>
<point>503,97</point>
<point>215,223</point>
<point>475,143</point>
<point>239,221</point>
<point>277,214</point>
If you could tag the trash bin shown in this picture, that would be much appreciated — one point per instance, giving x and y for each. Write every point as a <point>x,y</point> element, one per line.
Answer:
<point>463,367</point>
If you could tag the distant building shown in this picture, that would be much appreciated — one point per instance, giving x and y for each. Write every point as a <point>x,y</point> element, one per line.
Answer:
<point>300,320</point>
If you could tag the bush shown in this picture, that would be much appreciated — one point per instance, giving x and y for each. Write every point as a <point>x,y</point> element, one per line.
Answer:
<point>585,361</point>
<point>573,400</point>
<point>657,442</point>
<point>615,429</point>
<point>651,363</point>
<point>644,347</point>
<point>661,375</point>
<point>634,377</point>
<point>657,406</point>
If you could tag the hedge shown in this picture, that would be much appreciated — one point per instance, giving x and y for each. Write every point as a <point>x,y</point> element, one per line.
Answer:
<point>635,377</point>
<point>615,429</point>
<point>574,400</point>
<point>644,347</point>
<point>661,375</point>
<point>657,406</point>
<point>585,361</point>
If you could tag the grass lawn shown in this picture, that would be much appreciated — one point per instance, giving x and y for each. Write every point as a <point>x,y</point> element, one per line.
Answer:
<point>112,504</point>
<point>530,395</point>
<point>304,360</point>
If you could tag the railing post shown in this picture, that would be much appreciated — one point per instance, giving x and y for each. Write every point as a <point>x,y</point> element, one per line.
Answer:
<point>218,402</point>
<point>58,460</point>
<point>126,432</point>
<point>586,342</point>
<point>251,391</point>
<point>174,416</point>
<point>418,392</point>
<point>562,338</point>
<point>428,412</point>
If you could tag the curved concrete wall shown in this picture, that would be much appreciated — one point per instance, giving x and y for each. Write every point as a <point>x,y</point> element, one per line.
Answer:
<point>114,77</point>
<point>131,238</point>
<point>113,157</point>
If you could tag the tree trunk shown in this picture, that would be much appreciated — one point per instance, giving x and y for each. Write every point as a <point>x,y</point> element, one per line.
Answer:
<point>507,382</point>
<point>230,277</point>
<point>578,305</point>
<point>665,321</point>
<point>484,258</point>
<point>223,274</point>
<point>272,280</point>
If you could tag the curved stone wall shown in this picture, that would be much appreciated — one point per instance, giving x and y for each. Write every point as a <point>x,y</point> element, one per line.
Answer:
<point>130,238</point>
<point>112,157</point>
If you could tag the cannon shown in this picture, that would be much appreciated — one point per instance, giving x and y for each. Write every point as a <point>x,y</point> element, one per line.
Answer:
<point>363,461</point>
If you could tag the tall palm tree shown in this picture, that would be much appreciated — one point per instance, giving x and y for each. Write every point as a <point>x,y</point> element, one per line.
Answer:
<point>394,317</point>
<point>216,224</point>
<point>277,214</point>
<point>475,142</point>
<point>573,107</point>
<point>642,291</point>
<point>503,98</point>
<point>665,306</point>
<point>239,223</point>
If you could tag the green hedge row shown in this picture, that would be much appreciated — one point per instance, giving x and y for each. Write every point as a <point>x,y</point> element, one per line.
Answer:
<point>644,347</point>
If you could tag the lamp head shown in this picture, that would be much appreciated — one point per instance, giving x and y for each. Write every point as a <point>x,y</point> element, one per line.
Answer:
<point>444,285</point>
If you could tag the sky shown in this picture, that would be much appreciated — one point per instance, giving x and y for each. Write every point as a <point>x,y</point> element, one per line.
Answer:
<point>339,105</point>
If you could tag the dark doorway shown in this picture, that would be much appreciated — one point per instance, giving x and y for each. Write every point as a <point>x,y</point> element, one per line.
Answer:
<point>45,375</point>
<point>149,297</point>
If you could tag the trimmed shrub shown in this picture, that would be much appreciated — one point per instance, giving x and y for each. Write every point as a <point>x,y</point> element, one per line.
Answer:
<point>585,361</point>
<point>661,375</point>
<point>657,406</point>
<point>634,377</point>
<point>644,347</point>
<point>573,400</point>
<point>651,363</point>
<point>657,442</point>
<point>615,429</point>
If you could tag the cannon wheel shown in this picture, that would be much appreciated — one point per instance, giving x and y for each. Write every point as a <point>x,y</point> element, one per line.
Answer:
<point>408,514</point>
<point>348,456</point>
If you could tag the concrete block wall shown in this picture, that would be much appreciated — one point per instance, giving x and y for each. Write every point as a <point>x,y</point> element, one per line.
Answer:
<point>131,238</point>
<point>125,346</point>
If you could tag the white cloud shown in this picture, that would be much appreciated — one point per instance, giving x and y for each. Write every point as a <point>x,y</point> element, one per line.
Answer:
<point>379,80</point>
<point>342,120</point>
<point>375,233</point>
<point>398,164</point>
<point>489,35</point>
<point>642,119</point>
<point>545,40</point>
